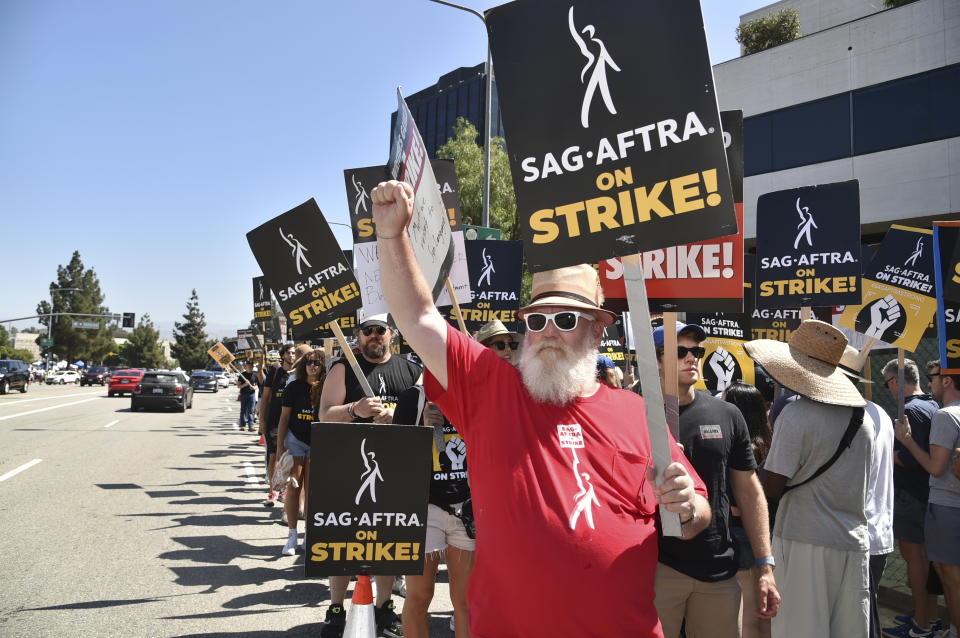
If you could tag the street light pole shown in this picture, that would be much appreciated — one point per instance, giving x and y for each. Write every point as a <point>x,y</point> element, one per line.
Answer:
<point>487,119</point>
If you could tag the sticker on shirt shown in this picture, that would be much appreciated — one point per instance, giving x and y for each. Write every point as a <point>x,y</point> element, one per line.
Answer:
<point>571,437</point>
<point>711,432</point>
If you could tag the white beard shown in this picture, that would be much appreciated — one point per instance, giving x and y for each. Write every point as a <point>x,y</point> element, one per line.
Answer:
<point>557,373</point>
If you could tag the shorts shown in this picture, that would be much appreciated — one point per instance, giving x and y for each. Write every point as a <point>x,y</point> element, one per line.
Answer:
<point>446,529</point>
<point>908,517</point>
<point>745,557</point>
<point>295,445</point>
<point>941,528</point>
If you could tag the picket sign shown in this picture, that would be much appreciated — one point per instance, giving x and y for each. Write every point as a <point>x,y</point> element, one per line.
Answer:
<point>456,306</point>
<point>348,353</point>
<point>649,374</point>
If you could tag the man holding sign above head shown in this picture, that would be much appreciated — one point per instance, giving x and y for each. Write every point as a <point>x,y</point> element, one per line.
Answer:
<point>561,473</point>
<point>343,400</point>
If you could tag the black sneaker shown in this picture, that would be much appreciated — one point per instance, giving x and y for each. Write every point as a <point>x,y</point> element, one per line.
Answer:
<point>335,622</point>
<point>388,622</point>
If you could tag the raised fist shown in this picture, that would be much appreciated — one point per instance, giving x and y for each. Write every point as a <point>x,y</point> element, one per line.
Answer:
<point>883,314</point>
<point>456,452</point>
<point>722,363</point>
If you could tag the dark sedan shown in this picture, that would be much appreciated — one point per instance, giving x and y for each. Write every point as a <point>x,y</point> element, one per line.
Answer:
<point>204,381</point>
<point>98,376</point>
<point>162,389</point>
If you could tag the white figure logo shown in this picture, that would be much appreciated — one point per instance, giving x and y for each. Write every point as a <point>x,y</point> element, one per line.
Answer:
<point>371,474</point>
<point>585,498</point>
<point>383,385</point>
<point>806,222</point>
<point>261,289</point>
<point>487,269</point>
<point>362,196</point>
<point>597,66</point>
<point>297,250</point>
<point>917,252</point>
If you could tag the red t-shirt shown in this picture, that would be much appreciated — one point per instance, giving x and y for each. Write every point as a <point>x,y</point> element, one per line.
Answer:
<point>566,520</point>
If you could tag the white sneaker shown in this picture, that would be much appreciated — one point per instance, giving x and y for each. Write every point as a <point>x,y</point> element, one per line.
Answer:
<point>291,547</point>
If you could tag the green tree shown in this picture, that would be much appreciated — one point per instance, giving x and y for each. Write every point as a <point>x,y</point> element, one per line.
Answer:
<point>190,337</point>
<point>76,290</point>
<point>143,349</point>
<point>4,337</point>
<point>769,31</point>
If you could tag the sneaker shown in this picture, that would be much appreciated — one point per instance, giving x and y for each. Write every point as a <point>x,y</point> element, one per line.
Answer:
<point>388,622</point>
<point>271,500</point>
<point>903,619</point>
<point>908,629</point>
<point>282,495</point>
<point>334,623</point>
<point>400,586</point>
<point>291,547</point>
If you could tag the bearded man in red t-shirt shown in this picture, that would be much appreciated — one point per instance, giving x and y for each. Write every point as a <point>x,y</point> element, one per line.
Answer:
<point>561,469</point>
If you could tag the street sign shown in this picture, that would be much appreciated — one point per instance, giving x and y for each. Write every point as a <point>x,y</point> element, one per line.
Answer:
<point>481,232</point>
<point>46,342</point>
<point>86,325</point>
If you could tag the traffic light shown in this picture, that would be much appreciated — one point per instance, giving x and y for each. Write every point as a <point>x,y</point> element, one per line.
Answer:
<point>128,320</point>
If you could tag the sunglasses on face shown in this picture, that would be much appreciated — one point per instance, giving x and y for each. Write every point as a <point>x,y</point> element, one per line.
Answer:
<point>312,362</point>
<point>565,320</point>
<point>932,375</point>
<point>369,330</point>
<point>696,351</point>
<point>502,345</point>
<point>886,382</point>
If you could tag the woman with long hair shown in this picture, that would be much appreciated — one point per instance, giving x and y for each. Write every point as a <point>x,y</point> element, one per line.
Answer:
<point>300,401</point>
<point>749,400</point>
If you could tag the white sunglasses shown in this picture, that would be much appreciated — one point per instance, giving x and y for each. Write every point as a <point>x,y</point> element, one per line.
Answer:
<point>565,320</point>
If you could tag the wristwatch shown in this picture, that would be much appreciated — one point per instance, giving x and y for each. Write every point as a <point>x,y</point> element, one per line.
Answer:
<point>766,560</point>
<point>693,517</point>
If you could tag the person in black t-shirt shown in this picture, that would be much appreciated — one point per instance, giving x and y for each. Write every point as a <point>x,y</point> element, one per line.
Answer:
<point>271,403</point>
<point>300,399</point>
<point>343,400</point>
<point>696,579</point>
<point>248,395</point>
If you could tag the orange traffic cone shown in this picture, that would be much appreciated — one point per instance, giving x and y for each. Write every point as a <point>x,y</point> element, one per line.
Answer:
<point>360,620</point>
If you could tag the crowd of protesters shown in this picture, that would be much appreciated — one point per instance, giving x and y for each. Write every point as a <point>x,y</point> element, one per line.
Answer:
<point>788,507</point>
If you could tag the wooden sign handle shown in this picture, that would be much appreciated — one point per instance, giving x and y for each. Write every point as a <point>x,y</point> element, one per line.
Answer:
<point>239,374</point>
<point>456,306</point>
<point>649,375</point>
<point>806,312</point>
<point>348,353</point>
<point>901,360</point>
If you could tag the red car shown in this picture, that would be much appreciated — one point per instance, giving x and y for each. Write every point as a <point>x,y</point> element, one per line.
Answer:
<point>124,381</point>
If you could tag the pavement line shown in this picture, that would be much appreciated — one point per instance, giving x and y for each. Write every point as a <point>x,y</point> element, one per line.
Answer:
<point>52,407</point>
<point>54,396</point>
<point>252,477</point>
<point>112,423</point>
<point>25,466</point>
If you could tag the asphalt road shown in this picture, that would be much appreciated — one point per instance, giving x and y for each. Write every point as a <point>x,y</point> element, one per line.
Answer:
<point>145,524</point>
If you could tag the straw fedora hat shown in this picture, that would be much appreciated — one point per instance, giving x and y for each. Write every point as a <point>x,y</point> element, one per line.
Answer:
<point>576,287</point>
<point>808,364</point>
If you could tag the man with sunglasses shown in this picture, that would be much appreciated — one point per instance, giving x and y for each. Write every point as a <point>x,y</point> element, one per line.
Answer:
<point>697,580</point>
<point>561,468</point>
<point>911,491</point>
<point>343,400</point>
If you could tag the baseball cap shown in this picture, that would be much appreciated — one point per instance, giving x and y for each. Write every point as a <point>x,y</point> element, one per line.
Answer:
<point>696,331</point>
<point>375,320</point>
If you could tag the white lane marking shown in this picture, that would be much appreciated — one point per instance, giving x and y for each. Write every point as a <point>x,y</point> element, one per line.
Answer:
<point>252,478</point>
<point>25,466</point>
<point>52,407</point>
<point>12,402</point>
<point>112,423</point>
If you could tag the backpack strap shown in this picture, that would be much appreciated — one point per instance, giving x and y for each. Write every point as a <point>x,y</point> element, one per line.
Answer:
<point>856,420</point>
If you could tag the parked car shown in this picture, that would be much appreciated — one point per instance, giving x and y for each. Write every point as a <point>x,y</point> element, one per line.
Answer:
<point>14,375</point>
<point>203,380</point>
<point>162,388</point>
<point>124,381</point>
<point>98,376</point>
<point>63,377</point>
<point>223,380</point>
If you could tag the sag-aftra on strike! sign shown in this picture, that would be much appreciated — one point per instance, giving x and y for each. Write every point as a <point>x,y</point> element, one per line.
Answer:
<point>615,136</point>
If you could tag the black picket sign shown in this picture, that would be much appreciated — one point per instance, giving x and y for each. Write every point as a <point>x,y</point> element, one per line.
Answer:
<point>495,271</point>
<point>262,309</point>
<point>808,246</point>
<point>369,488</point>
<point>359,182</point>
<point>615,137</point>
<point>306,269</point>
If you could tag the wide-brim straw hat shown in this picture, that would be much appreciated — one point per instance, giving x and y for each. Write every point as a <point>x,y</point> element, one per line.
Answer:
<point>852,362</point>
<point>576,287</point>
<point>808,364</point>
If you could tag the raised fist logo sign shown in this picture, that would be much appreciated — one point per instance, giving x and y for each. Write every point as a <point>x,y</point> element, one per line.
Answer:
<point>723,365</point>
<point>884,313</point>
<point>457,452</point>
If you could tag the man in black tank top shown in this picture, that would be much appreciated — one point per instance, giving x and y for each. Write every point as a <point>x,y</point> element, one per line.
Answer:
<point>343,400</point>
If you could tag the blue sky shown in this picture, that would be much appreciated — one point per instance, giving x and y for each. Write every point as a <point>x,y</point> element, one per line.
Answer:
<point>152,135</point>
